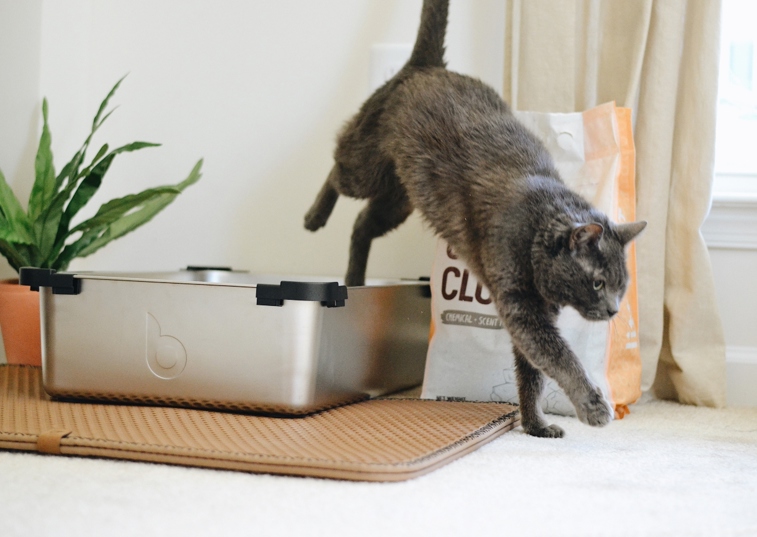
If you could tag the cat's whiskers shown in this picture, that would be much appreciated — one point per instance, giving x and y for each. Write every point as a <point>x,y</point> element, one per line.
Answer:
<point>614,328</point>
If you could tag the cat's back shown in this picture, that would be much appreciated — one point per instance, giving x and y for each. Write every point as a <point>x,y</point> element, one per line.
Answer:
<point>461,124</point>
<point>463,158</point>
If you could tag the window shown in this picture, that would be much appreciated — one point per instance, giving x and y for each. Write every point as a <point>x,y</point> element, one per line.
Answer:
<point>736,135</point>
<point>732,222</point>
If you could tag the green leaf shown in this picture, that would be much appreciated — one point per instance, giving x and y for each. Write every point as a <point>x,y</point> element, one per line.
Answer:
<point>14,257</point>
<point>31,252</point>
<point>93,176</point>
<point>54,230</point>
<point>48,225</point>
<point>82,153</point>
<point>14,224</point>
<point>72,250</point>
<point>117,208</point>
<point>193,176</point>
<point>129,222</point>
<point>103,105</point>
<point>70,171</point>
<point>7,233</point>
<point>44,187</point>
<point>67,170</point>
<point>98,156</point>
<point>97,235</point>
<point>134,146</point>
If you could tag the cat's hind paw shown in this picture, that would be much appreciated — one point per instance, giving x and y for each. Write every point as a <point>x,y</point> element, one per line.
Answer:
<point>594,410</point>
<point>315,221</point>
<point>545,431</point>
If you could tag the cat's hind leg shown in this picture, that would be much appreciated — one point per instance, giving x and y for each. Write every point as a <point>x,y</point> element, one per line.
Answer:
<point>324,203</point>
<point>530,385</point>
<point>380,216</point>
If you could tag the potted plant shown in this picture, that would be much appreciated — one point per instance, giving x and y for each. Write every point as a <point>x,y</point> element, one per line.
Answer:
<point>45,235</point>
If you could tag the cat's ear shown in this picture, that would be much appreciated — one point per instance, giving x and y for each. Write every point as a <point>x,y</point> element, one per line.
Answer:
<point>628,232</point>
<point>585,235</point>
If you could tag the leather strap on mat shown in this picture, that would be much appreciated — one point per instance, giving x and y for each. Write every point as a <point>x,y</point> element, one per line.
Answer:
<point>378,440</point>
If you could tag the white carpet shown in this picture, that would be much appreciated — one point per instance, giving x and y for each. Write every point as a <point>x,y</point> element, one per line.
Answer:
<point>664,470</point>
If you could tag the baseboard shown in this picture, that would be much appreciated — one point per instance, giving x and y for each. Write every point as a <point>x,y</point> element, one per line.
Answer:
<point>741,375</point>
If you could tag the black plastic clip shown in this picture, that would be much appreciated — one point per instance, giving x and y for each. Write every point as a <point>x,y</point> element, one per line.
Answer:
<point>61,283</point>
<point>196,268</point>
<point>331,295</point>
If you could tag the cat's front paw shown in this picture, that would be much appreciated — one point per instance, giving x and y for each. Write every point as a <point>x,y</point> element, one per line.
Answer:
<point>545,431</point>
<point>594,409</point>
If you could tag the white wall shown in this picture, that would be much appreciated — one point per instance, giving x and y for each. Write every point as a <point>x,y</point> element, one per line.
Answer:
<point>19,96</point>
<point>257,88</point>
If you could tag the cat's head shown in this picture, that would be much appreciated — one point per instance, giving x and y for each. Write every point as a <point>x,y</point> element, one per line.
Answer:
<point>583,265</point>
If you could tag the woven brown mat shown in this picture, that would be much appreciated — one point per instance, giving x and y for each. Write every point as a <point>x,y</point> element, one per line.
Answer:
<point>377,440</point>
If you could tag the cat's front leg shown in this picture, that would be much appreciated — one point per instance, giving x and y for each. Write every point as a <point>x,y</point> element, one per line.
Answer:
<point>530,385</point>
<point>535,335</point>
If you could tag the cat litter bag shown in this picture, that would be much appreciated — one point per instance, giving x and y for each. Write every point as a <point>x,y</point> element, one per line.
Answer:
<point>470,354</point>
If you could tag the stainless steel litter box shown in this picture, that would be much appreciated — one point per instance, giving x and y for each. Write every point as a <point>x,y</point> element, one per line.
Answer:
<point>228,340</point>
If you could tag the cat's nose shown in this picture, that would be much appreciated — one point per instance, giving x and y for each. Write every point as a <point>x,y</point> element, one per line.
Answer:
<point>612,306</point>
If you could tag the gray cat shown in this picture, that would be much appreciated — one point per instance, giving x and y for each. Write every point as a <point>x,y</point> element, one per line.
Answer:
<point>448,145</point>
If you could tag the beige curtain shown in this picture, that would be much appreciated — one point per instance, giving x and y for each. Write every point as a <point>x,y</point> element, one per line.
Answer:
<point>660,58</point>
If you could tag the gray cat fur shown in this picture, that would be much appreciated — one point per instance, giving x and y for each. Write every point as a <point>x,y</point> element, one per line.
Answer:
<point>449,146</point>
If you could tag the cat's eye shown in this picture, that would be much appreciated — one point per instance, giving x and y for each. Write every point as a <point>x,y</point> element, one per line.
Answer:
<point>598,284</point>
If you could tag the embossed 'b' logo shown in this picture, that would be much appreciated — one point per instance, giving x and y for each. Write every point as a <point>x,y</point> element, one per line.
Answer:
<point>166,356</point>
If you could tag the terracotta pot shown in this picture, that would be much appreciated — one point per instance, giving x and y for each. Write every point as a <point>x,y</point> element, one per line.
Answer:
<point>19,322</point>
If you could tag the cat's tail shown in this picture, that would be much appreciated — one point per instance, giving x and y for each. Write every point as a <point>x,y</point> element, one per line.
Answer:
<point>429,44</point>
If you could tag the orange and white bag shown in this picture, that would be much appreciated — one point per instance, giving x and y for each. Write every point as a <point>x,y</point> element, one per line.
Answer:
<point>470,353</point>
